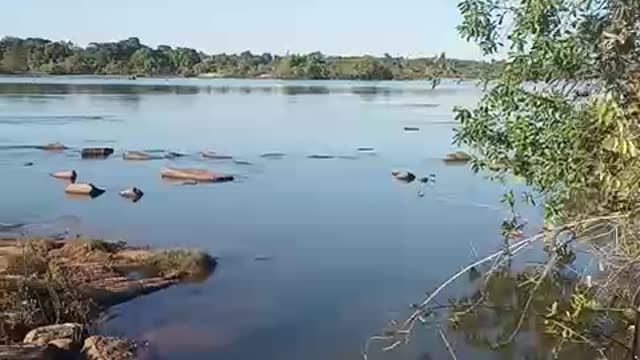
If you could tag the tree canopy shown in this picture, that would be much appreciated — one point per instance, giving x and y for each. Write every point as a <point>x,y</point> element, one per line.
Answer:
<point>131,57</point>
<point>563,113</point>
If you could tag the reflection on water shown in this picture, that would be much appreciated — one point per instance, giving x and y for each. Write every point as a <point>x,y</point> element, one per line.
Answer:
<point>33,88</point>
<point>349,247</point>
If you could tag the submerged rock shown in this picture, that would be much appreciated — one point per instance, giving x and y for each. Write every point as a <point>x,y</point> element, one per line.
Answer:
<point>86,189</point>
<point>134,194</point>
<point>27,164</point>
<point>195,174</point>
<point>138,156</point>
<point>70,175</point>
<point>320,156</point>
<point>46,334</point>
<point>366,149</point>
<point>214,155</point>
<point>457,157</point>
<point>97,153</point>
<point>174,154</point>
<point>411,128</point>
<point>53,147</point>
<point>242,162</point>
<point>108,348</point>
<point>403,175</point>
<point>428,179</point>
<point>273,155</point>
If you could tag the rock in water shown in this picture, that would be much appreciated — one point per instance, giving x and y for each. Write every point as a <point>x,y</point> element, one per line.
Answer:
<point>96,153</point>
<point>84,189</point>
<point>459,157</point>
<point>366,149</point>
<point>108,348</point>
<point>137,156</point>
<point>28,163</point>
<point>241,162</point>
<point>411,128</point>
<point>195,174</point>
<point>403,175</point>
<point>53,147</point>
<point>320,156</point>
<point>46,334</point>
<point>134,194</point>
<point>214,155</point>
<point>174,154</point>
<point>273,155</point>
<point>70,175</point>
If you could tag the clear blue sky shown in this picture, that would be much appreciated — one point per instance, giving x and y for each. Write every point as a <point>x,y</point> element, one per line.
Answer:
<point>337,27</point>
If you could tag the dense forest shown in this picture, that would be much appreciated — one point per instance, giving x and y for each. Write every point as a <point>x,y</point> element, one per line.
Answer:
<point>131,57</point>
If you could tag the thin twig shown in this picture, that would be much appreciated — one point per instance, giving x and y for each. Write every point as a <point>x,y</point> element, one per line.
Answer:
<point>447,344</point>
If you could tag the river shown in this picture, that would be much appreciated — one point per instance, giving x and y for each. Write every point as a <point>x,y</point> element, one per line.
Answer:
<point>315,255</point>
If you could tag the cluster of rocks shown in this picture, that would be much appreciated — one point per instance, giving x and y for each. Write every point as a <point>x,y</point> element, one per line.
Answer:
<point>68,341</point>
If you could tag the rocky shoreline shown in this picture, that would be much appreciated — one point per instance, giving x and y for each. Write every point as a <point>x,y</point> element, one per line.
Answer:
<point>52,291</point>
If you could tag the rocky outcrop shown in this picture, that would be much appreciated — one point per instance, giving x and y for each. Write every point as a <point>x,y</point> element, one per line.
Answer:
<point>108,348</point>
<point>75,333</point>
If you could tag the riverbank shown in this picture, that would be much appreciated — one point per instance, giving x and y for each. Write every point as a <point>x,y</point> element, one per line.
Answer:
<point>47,282</point>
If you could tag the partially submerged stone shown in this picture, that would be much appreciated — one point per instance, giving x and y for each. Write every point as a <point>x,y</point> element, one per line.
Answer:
<point>97,153</point>
<point>70,175</point>
<point>46,334</point>
<point>403,175</point>
<point>214,155</point>
<point>138,156</point>
<point>241,162</point>
<point>320,156</point>
<point>428,179</point>
<point>273,155</point>
<point>459,157</point>
<point>195,174</point>
<point>174,154</point>
<point>85,189</point>
<point>108,348</point>
<point>53,147</point>
<point>366,149</point>
<point>134,194</point>
<point>411,128</point>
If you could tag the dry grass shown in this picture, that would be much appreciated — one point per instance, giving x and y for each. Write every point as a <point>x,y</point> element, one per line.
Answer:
<point>182,263</point>
<point>36,291</point>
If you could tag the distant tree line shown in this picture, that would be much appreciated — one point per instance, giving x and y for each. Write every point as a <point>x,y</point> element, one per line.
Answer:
<point>131,57</point>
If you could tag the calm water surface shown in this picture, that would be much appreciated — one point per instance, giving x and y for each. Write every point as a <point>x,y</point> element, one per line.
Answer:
<point>343,248</point>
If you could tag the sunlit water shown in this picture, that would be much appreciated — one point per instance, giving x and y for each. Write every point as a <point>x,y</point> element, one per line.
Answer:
<point>314,255</point>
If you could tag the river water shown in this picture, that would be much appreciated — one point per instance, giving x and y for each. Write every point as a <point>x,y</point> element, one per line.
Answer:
<point>315,255</point>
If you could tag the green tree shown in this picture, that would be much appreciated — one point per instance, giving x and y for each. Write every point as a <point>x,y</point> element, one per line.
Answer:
<point>579,153</point>
<point>15,59</point>
<point>369,68</point>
